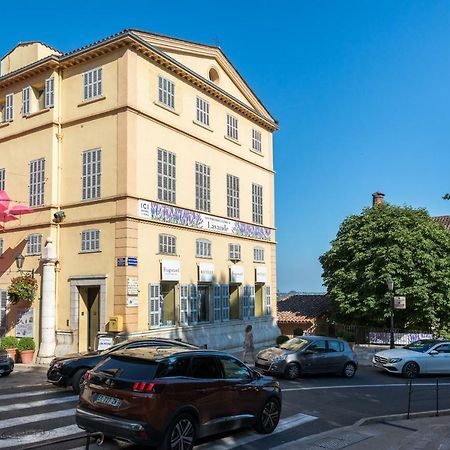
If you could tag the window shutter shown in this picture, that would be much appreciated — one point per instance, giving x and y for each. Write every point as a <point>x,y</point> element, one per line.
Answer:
<point>225,302</point>
<point>245,300</point>
<point>3,302</point>
<point>268,308</point>
<point>154,307</point>
<point>251,306</point>
<point>217,303</point>
<point>184,304</point>
<point>193,304</point>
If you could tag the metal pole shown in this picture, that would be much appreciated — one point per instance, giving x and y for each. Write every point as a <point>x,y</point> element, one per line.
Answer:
<point>392,341</point>
<point>437,396</point>
<point>409,398</point>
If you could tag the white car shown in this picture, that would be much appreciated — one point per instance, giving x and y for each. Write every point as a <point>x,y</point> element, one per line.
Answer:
<point>423,356</point>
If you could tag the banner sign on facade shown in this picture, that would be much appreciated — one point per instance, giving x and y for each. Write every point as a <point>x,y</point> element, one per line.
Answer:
<point>260,274</point>
<point>179,216</point>
<point>25,323</point>
<point>206,272</point>
<point>170,270</point>
<point>236,274</point>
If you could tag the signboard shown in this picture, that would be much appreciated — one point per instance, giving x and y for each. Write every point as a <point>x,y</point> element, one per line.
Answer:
<point>192,219</point>
<point>399,302</point>
<point>236,274</point>
<point>132,286</point>
<point>260,274</point>
<point>131,261</point>
<point>121,262</point>
<point>104,342</point>
<point>170,270</point>
<point>132,301</point>
<point>25,323</point>
<point>206,272</point>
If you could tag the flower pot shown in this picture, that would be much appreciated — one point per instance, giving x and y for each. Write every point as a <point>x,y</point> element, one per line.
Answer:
<point>12,353</point>
<point>26,356</point>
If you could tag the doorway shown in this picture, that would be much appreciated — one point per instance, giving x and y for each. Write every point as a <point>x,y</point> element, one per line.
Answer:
<point>89,317</point>
<point>203,303</point>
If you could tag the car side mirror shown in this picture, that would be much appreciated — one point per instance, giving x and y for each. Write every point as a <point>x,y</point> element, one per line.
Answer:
<point>434,352</point>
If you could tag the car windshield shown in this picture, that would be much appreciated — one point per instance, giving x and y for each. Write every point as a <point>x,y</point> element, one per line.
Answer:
<point>294,344</point>
<point>421,346</point>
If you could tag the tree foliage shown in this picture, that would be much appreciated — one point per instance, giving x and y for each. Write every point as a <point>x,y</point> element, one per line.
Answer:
<point>403,243</point>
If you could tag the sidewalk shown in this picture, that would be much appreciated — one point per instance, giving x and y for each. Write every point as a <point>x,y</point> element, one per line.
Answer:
<point>388,433</point>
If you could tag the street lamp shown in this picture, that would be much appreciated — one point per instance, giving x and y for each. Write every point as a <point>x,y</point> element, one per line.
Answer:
<point>19,263</point>
<point>390,286</point>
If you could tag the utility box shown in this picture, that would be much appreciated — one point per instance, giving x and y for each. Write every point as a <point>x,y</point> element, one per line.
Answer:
<point>116,324</point>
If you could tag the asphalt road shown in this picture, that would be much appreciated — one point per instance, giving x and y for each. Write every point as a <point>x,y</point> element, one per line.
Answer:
<point>32,412</point>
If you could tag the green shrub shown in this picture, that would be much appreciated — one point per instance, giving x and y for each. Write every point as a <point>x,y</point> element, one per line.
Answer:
<point>282,339</point>
<point>26,343</point>
<point>298,332</point>
<point>9,342</point>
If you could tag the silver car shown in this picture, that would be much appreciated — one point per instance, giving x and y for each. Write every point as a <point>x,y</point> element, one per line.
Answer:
<point>308,354</point>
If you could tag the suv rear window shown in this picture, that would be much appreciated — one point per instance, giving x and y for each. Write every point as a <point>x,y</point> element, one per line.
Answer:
<point>131,369</point>
<point>174,367</point>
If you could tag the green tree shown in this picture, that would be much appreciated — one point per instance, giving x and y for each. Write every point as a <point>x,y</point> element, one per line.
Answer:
<point>403,243</point>
<point>446,197</point>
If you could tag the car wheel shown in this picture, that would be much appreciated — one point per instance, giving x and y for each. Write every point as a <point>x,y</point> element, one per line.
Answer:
<point>181,434</point>
<point>269,417</point>
<point>292,371</point>
<point>411,370</point>
<point>349,370</point>
<point>77,380</point>
<point>5,374</point>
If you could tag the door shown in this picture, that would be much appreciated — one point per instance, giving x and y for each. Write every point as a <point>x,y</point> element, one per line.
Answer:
<point>315,358</point>
<point>439,363</point>
<point>89,317</point>
<point>335,356</point>
<point>203,303</point>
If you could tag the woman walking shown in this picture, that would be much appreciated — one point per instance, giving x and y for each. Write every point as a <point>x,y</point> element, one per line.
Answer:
<point>248,345</point>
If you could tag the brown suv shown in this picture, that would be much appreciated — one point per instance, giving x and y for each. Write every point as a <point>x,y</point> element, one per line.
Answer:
<point>169,397</point>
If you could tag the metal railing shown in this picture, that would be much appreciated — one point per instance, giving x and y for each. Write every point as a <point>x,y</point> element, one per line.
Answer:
<point>436,392</point>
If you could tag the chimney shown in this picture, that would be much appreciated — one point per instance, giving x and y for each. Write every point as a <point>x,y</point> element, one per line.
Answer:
<point>377,198</point>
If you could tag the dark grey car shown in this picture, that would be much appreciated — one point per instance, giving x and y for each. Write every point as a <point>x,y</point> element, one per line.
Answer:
<point>308,354</point>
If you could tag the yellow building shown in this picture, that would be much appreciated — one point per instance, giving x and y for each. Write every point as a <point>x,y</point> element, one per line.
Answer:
<point>148,163</point>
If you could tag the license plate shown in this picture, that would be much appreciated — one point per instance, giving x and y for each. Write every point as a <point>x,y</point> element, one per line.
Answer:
<point>107,400</point>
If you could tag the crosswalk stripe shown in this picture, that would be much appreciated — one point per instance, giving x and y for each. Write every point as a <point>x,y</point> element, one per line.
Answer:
<point>28,394</point>
<point>51,401</point>
<point>24,420</point>
<point>40,437</point>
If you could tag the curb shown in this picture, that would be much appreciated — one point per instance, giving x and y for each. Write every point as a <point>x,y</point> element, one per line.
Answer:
<point>404,416</point>
<point>20,366</point>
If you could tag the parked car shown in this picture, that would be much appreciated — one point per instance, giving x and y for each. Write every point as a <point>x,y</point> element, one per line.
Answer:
<point>70,369</point>
<point>169,397</point>
<point>308,355</point>
<point>6,363</point>
<point>420,357</point>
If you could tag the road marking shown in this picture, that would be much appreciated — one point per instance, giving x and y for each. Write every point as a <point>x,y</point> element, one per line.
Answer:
<point>27,394</point>
<point>41,436</point>
<point>22,386</point>
<point>51,401</point>
<point>251,436</point>
<point>353,386</point>
<point>15,421</point>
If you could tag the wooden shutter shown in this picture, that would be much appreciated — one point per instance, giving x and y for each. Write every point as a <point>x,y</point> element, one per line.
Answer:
<point>184,304</point>
<point>154,307</point>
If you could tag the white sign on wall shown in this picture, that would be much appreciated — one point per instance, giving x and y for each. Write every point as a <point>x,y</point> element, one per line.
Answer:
<point>105,342</point>
<point>400,302</point>
<point>25,323</point>
<point>260,274</point>
<point>132,286</point>
<point>170,270</point>
<point>236,274</point>
<point>132,301</point>
<point>206,272</point>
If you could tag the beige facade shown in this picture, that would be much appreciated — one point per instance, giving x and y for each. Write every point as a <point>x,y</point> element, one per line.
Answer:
<point>113,135</point>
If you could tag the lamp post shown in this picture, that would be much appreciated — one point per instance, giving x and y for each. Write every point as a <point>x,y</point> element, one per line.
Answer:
<point>19,263</point>
<point>390,286</point>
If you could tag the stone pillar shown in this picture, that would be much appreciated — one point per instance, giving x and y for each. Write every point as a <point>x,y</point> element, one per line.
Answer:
<point>48,304</point>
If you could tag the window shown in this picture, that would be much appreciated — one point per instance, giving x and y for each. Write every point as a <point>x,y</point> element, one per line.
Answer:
<point>34,244</point>
<point>154,307</point>
<point>174,367</point>
<point>205,367</point>
<point>225,294</point>
<point>444,348</point>
<point>184,304</point>
<point>37,180</point>
<point>131,369</point>
<point>92,83</point>
<point>217,302</point>
<point>49,93</point>
<point>166,92</point>
<point>335,346</point>
<point>90,240</point>
<point>318,346</point>
<point>166,175</point>
<point>193,304</point>
<point>233,196</point>
<point>2,179</point>
<point>9,112</point>
<point>268,307</point>
<point>257,203</point>
<point>258,254</point>
<point>234,369</point>
<point>232,127</point>
<point>26,101</point>
<point>234,252</point>
<point>91,175</point>
<point>202,111</point>
<point>248,302</point>
<point>203,248</point>
<point>256,141</point>
<point>202,187</point>
<point>167,244</point>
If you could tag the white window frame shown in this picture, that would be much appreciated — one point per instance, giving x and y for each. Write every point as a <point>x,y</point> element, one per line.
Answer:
<point>167,244</point>
<point>233,196</point>
<point>166,92</point>
<point>26,101</point>
<point>225,294</point>
<point>91,174</point>
<point>2,179</point>
<point>256,140</point>
<point>184,304</point>
<point>92,84</point>
<point>9,107</point>
<point>202,187</point>
<point>193,304</point>
<point>202,111</point>
<point>217,303</point>
<point>37,182</point>
<point>268,307</point>
<point>203,248</point>
<point>90,241</point>
<point>166,176</point>
<point>3,312</point>
<point>49,93</point>
<point>34,244</point>
<point>232,127</point>
<point>234,252</point>
<point>257,203</point>
<point>154,306</point>
<point>258,254</point>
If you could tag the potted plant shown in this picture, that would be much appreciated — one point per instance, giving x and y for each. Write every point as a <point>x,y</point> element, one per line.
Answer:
<point>26,348</point>
<point>23,287</point>
<point>10,343</point>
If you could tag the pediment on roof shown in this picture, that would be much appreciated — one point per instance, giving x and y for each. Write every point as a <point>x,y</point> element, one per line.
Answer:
<point>208,62</point>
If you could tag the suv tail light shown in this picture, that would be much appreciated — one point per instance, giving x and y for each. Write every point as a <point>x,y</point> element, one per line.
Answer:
<point>141,386</point>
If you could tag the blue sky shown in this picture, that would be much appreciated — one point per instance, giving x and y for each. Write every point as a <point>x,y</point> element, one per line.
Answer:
<point>361,90</point>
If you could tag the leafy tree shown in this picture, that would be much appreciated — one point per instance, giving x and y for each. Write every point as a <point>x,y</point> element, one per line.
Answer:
<point>446,197</point>
<point>385,241</point>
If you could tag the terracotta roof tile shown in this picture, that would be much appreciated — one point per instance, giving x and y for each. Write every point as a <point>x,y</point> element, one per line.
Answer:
<point>445,220</point>
<point>302,307</point>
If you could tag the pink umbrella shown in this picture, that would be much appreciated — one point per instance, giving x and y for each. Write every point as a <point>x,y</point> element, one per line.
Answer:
<point>5,216</point>
<point>20,209</point>
<point>4,200</point>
